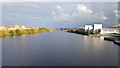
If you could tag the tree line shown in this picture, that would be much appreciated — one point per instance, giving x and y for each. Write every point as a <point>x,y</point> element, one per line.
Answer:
<point>4,33</point>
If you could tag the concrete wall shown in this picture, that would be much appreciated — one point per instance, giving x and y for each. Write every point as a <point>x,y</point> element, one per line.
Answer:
<point>108,32</point>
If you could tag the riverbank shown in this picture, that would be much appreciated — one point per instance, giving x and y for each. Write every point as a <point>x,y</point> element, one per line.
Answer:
<point>17,32</point>
<point>115,40</point>
<point>81,31</point>
<point>99,35</point>
<point>114,37</point>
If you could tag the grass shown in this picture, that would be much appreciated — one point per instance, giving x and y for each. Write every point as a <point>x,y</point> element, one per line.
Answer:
<point>4,33</point>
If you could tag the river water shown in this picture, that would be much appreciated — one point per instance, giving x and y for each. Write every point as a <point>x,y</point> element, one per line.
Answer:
<point>58,48</point>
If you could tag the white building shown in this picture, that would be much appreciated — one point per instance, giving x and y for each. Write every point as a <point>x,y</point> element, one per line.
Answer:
<point>96,27</point>
<point>1,27</point>
<point>88,28</point>
<point>92,28</point>
<point>108,30</point>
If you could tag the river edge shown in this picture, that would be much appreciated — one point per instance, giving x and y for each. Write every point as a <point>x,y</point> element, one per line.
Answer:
<point>18,32</point>
<point>115,38</point>
<point>22,34</point>
<point>110,37</point>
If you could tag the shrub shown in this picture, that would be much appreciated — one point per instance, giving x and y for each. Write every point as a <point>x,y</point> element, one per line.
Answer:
<point>18,32</point>
<point>11,32</point>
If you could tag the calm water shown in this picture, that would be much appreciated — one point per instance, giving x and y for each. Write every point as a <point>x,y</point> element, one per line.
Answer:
<point>58,48</point>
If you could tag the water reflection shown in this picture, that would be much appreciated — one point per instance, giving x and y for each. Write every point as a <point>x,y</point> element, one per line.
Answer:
<point>58,48</point>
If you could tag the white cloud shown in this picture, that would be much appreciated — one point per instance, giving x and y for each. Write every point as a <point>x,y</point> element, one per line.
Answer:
<point>59,7</point>
<point>104,17</point>
<point>83,15</point>
<point>83,8</point>
<point>117,13</point>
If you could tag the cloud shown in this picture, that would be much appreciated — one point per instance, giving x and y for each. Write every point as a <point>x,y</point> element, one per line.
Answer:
<point>118,16</point>
<point>62,17</point>
<point>60,0</point>
<point>59,8</point>
<point>104,17</point>
<point>83,15</point>
<point>117,13</point>
<point>83,8</point>
<point>72,14</point>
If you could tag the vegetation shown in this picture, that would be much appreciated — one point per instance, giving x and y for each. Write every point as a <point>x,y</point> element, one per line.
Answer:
<point>16,32</point>
<point>77,31</point>
<point>81,31</point>
<point>11,32</point>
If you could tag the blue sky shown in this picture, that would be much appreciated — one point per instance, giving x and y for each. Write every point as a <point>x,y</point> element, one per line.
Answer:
<point>59,14</point>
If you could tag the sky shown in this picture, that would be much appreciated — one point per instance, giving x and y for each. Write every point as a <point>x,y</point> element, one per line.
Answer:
<point>59,14</point>
<point>60,0</point>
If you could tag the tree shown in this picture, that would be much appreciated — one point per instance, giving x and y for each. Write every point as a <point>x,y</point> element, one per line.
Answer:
<point>11,32</point>
<point>18,31</point>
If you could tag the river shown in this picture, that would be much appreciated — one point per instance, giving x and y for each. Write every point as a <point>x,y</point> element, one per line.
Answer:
<point>58,48</point>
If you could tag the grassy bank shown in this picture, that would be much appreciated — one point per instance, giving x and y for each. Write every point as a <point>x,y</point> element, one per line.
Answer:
<point>77,31</point>
<point>4,33</point>
<point>81,31</point>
